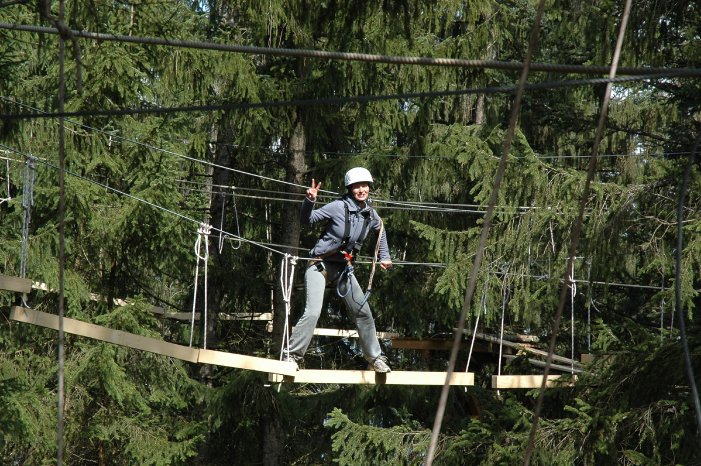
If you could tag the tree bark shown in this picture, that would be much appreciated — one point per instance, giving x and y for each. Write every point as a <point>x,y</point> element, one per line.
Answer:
<point>290,225</point>
<point>222,138</point>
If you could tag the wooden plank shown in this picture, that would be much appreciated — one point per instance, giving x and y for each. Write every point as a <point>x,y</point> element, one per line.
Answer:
<point>529,381</point>
<point>587,358</point>
<point>186,316</point>
<point>16,284</point>
<point>333,332</point>
<point>436,344</point>
<point>525,348</point>
<point>240,361</point>
<point>152,345</point>
<point>371,377</point>
<point>101,333</point>
<point>246,316</point>
<point>539,363</point>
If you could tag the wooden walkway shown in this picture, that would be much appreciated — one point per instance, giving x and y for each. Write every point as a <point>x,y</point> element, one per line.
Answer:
<point>530,381</point>
<point>372,377</point>
<point>153,345</point>
<point>278,371</point>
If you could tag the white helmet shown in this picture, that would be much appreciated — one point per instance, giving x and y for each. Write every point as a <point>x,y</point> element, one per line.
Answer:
<point>357,175</point>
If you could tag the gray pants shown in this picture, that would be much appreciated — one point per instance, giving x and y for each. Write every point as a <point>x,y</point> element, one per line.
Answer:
<point>315,283</point>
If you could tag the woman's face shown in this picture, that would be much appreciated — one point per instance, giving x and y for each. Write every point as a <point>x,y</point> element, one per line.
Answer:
<point>360,191</point>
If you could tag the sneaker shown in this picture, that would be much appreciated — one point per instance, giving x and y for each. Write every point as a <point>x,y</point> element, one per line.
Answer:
<point>293,358</point>
<point>379,364</point>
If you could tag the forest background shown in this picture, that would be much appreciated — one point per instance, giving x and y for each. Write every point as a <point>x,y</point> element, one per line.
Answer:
<point>142,173</point>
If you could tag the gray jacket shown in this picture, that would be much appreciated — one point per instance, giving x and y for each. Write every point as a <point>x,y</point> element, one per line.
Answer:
<point>334,213</point>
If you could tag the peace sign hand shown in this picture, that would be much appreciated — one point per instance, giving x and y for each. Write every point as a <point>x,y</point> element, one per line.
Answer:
<point>313,191</point>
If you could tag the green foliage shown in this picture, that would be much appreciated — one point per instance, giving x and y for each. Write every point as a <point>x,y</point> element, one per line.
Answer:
<point>138,186</point>
<point>356,444</point>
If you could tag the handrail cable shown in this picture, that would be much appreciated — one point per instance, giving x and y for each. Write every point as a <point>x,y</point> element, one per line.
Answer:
<point>483,237</point>
<point>576,232</point>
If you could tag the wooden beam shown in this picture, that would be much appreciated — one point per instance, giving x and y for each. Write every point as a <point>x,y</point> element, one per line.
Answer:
<point>539,363</point>
<point>101,333</point>
<point>246,316</point>
<point>152,345</point>
<point>185,316</point>
<point>16,284</point>
<point>436,344</point>
<point>333,332</point>
<point>529,381</point>
<point>341,333</point>
<point>220,358</point>
<point>525,348</point>
<point>587,358</point>
<point>371,377</point>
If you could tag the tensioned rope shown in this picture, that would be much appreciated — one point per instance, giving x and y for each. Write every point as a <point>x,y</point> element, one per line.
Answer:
<point>271,246</point>
<point>340,100</point>
<point>236,218</point>
<point>411,205</point>
<point>576,231</point>
<point>169,152</point>
<point>415,206</point>
<point>58,23</point>
<point>202,232</point>
<point>678,287</point>
<point>504,292</point>
<point>483,308</point>
<point>151,204</point>
<point>483,236</point>
<point>27,202</point>
<point>287,274</point>
<point>378,154</point>
<point>346,56</point>
<point>573,292</point>
<point>9,195</point>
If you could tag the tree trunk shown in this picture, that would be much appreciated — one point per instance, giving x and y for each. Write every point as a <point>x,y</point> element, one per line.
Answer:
<point>222,138</point>
<point>290,225</point>
<point>274,446</point>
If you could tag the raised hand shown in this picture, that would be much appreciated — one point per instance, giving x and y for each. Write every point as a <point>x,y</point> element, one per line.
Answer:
<point>313,191</point>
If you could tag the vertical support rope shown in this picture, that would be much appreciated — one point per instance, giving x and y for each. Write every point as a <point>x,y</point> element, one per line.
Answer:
<point>573,292</point>
<point>61,236</point>
<point>493,197</point>
<point>9,195</point>
<point>589,300</point>
<point>576,230</point>
<point>483,308</point>
<point>27,203</point>
<point>287,274</point>
<point>501,327</point>
<point>222,233</point>
<point>203,231</point>
<point>678,287</point>
<point>662,303</point>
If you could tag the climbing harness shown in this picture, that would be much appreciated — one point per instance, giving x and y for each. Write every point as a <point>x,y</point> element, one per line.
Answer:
<point>287,273</point>
<point>348,256</point>
<point>203,231</point>
<point>348,274</point>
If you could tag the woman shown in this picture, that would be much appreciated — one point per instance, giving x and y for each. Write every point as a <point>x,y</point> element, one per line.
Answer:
<point>348,221</point>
